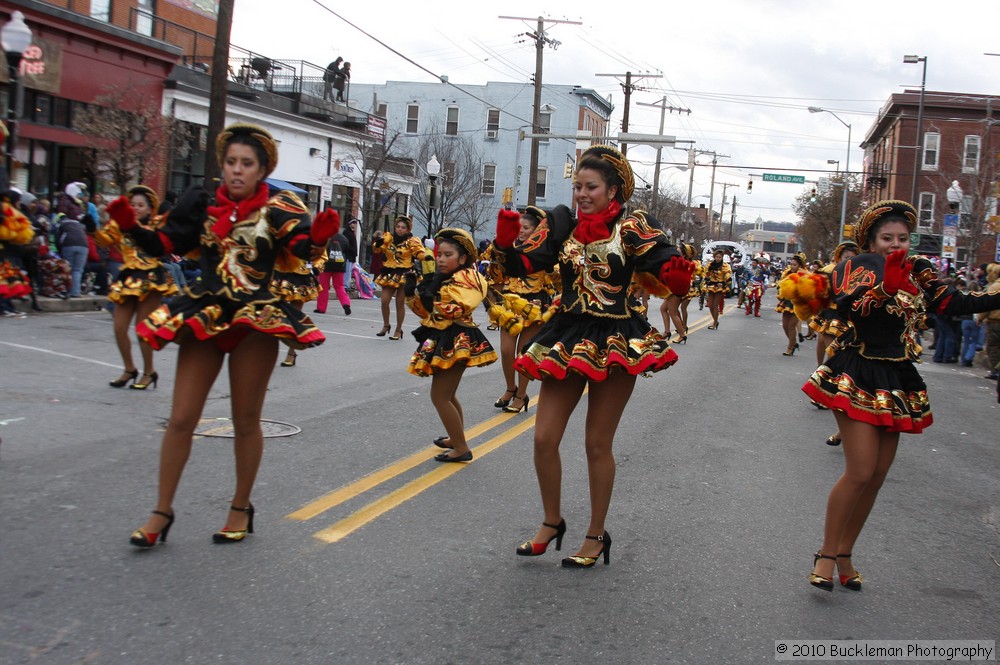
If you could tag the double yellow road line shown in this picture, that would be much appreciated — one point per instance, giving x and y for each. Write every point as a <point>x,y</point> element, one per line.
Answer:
<point>378,507</point>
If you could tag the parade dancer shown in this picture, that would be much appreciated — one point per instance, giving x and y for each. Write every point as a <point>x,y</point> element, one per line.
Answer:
<point>595,340</point>
<point>448,339</point>
<point>229,311</point>
<point>870,381</point>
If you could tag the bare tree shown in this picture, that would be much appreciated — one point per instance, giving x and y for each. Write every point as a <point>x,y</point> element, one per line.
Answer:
<point>462,203</point>
<point>818,232</point>
<point>125,131</point>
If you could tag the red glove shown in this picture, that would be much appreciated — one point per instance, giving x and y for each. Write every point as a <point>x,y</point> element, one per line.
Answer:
<point>121,211</point>
<point>676,275</point>
<point>896,277</point>
<point>508,226</point>
<point>325,225</point>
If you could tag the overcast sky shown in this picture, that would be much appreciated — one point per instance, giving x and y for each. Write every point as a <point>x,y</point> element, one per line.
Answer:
<point>746,69</point>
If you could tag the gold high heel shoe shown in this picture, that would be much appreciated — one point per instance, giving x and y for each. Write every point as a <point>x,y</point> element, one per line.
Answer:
<point>227,535</point>
<point>589,561</point>
<point>146,380</point>
<point>818,581</point>
<point>517,409</point>
<point>289,360</point>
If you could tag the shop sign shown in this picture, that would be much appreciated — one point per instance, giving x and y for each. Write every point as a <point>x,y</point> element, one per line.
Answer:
<point>41,66</point>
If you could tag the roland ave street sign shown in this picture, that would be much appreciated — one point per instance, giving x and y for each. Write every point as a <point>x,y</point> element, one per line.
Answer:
<point>781,177</point>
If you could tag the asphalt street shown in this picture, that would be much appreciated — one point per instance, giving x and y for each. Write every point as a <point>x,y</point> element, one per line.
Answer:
<point>368,551</point>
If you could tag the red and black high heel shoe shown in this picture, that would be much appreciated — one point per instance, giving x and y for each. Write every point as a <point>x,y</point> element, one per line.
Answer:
<point>852,582</point>
<point>142,538</point>
<point>529,548</point>
<point>589,561</point>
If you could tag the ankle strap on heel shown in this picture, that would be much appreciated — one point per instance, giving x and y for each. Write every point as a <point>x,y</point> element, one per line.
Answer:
<point>169,516</point>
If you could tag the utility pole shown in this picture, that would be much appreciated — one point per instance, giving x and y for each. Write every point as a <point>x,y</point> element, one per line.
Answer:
<point>732,219</point>
<point>711,188</point>
<point>541,40</point>
<point>659,150</point>
<point>627,87</point>
<point>218,88</point>
<point>722,209</point>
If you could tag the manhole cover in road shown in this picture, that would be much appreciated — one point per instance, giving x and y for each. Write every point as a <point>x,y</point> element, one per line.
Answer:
<point>223,427</point>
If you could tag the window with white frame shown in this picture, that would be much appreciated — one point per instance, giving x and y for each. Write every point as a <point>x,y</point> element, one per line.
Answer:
<point>926,209</point>
<point>540,183</point>
<point>970,155</point>
<point>100,10</point>
<point>932,146</point>
<point>144,18</point>
<point>451,125</point>
<point>493,124</point>
<point>544,124</point>
<point>412,118</point>
<point>489,179</point>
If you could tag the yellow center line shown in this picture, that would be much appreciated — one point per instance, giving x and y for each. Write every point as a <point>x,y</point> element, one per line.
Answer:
<point>373,510</point>
<point>348,492</point>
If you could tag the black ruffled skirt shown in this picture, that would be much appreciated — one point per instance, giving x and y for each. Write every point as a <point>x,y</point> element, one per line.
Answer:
<point>135,283</point>
<point>885,393</point>
<point>594,346</point>
<point>443,349</point>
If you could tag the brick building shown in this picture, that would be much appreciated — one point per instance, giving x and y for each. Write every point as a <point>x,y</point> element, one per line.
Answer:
<point>961,143</point>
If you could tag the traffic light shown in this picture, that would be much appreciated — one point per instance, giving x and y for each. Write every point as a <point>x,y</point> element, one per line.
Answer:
<point>567,170</point>
<point>812,197</point>
<point>750,187</point>
<point>849,231</point>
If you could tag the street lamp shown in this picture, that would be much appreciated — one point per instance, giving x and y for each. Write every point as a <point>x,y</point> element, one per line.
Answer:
<point>847,168</point>
<point>15,37</point>
<point>433,169</point>
<point>912,60</point>
<point>834,161</point>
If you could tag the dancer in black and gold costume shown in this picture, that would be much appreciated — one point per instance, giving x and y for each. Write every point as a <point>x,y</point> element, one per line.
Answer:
<point>228,310</point>
<point>449,340</point>
<point>789,322</point>
<point>674,307</point>
<point>521,303</point>
<point>294,282</point>
<point>695,291</point>
<point>718,280</point>
<point>142,283</point>
<point>402,251</point>
<point>882,297</point>
<point>595,338</point>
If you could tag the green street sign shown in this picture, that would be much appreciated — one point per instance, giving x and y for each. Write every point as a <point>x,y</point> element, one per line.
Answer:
<point>781,177</point>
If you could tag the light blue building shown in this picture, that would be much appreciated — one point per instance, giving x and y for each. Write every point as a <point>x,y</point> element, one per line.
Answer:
<point>493,116</point>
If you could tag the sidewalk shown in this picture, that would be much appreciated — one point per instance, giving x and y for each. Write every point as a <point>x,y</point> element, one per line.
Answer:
<point>86,303</point>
